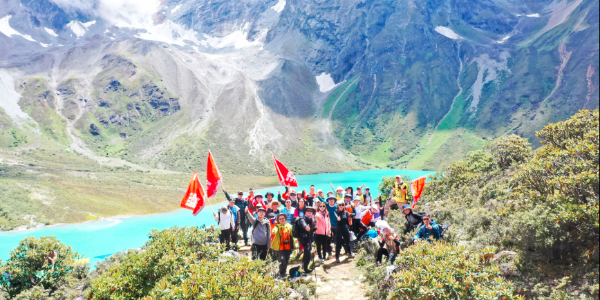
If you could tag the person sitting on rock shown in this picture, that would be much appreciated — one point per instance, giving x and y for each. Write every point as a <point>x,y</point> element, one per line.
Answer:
<point>428,231</point>
<point>389,245</point>
<point>283,242</point>
<point>398,195</point>
<point>413,220</point>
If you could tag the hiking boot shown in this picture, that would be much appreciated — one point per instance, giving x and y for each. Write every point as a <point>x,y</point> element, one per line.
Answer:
<point>337,260</point>
<point>351,255</point>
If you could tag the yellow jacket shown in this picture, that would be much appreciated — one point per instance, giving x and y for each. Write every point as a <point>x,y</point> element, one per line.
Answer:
<point>276,233</point>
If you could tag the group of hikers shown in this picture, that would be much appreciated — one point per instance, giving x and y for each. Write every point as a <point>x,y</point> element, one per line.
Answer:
<point>341,217</point>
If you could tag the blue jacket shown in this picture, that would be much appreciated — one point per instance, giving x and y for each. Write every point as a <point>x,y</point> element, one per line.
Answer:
<point>332,217</point>
<point>234,211</point>
<point>289,213</point>
<point>426,234</point>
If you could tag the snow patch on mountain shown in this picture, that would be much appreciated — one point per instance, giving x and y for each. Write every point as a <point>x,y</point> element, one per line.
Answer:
<point>504,39</point>
<point>533,15</point>
<point>9,98</point>
<point>279,6</point>
<point>169,32</point>
<point>9,31</point>
<point>447,32</point>
<point>175,8</point>
<point>77,27</point>
<point>236,39</point>
<point>50,32</point>
<point>488,71</point>
<point>325,82</point>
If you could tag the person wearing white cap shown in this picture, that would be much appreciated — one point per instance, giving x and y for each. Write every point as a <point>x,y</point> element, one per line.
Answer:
<point>339,192</point>
<point>226,224</point>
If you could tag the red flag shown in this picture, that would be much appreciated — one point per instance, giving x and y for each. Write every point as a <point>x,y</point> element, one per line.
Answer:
<point>286,177</point>
<point>213,177</point>
<point>416,186</point>
<point>194,197</point>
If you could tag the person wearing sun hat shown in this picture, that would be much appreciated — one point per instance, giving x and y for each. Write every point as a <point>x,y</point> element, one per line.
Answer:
<point>331,208</point>
<point>261,233</point>
<point>283,242</point>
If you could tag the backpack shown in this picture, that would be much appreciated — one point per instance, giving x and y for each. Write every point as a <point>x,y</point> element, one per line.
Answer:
<point>296,227</point>
<point>294,272</point>
<point>443,229</point>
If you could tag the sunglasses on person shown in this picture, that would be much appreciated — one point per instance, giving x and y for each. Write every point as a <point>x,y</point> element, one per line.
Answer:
<point>342,205</point>
<point>426,219</point>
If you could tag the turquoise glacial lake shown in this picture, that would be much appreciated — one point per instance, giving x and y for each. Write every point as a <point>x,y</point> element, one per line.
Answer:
<point>99,239</point>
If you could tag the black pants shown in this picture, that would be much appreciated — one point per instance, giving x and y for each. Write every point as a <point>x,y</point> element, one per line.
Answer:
<point>235,236</point>
<point>274,255</point>
<point>259,252</point>
<point>307,256</point>
<point>323,246</point>
<point>357,226</point>
<point>391,257</point>
<point>284,257</point>
<point>244,227</point>
<point>333,235</point>
<point>225,237</point>
<point>342,240</point>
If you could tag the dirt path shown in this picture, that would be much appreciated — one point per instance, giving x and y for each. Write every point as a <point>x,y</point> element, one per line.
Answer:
<point>334,280</point>
<point>339,280</point>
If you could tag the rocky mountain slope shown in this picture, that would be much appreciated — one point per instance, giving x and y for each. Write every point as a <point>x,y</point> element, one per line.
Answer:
<point>324,85</point>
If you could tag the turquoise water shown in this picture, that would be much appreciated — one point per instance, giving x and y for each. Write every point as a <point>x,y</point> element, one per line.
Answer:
<point>98,239</point>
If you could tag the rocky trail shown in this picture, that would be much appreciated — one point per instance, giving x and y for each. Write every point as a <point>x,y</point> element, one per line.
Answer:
<point>334,280</point>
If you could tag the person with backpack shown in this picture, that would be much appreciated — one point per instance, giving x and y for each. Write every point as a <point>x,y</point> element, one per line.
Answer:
<point>368,197</point>
<point>428,231</point>
<point>344,219</point>
<point>323,233</point>
<point>389,245</point>
<point>242,204</point>
<point>261,233</point>
<point>283,242</point>
<point>306,229</point>
<point>226,224</point>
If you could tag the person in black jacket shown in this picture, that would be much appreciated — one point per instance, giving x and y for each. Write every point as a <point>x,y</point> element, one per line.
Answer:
<point>413,220</point>
<point>306,235</point>
<point>242,204</point>
<point>343,230</point>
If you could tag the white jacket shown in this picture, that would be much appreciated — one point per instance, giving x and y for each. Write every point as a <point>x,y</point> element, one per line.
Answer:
<point>226,221</point>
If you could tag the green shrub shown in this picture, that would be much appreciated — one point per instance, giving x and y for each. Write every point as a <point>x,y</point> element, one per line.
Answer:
<point>560,184</point>
<point>43,262</point>
<point>510,150</point>
<point>443,271</point>
<point>184,263</point>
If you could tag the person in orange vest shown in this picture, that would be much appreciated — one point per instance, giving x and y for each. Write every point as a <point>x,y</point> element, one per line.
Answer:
<point>283,243</point>
<point>368,217</point>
